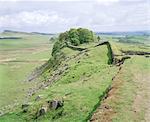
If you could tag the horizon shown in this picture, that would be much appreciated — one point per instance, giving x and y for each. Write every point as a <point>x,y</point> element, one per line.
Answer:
<point>57,16</point>
<point>81,27</point>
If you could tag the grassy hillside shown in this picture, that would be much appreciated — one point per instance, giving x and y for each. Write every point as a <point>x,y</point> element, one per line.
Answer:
<point>18,57</point>
<point>83,80</point>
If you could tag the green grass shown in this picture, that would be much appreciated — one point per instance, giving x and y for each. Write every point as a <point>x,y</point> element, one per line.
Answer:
<point>81,87</point>
<point>128,90</point>
<point>86,83</point>
<point>22,56</point>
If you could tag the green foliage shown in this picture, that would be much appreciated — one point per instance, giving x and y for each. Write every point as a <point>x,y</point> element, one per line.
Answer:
<point>74,37</point>
<point>77,36</point>
<point>57,47</point>
<point>85,35</point>
<point>80,36</point>
<point>63,37</point>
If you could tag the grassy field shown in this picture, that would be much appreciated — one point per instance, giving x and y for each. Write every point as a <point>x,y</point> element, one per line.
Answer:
<point>18,57</point>
<point>84,82</point>
<point>129,97</point>
<point>134,76</point>
<point>82,85</point>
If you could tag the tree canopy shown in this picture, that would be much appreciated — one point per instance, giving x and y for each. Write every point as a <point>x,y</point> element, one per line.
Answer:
<point>77,36</point>
<point>74,37</point>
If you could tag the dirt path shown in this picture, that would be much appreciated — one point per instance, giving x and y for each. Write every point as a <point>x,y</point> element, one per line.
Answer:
<point>135,110</point>
<point>142,100</point>
<point>105,112</point>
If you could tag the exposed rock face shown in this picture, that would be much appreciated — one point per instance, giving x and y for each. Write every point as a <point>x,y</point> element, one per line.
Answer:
<point>42,111</point>
<point>1,113</point>
<point>147,56</point>
<point>25,107</point>
<point>50,105</point>
<point>55,104</point>
<point>118,62</point>
<point>38,98</point>
<point>135,52</point>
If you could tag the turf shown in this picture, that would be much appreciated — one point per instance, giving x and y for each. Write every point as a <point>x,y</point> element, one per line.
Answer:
<point>18,58</point>
<point>84,81</point>
<point>82,86</point>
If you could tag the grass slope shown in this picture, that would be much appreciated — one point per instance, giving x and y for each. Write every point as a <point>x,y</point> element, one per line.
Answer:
<point>129,97</point>
<point>17,59</point>
<point>129,107</point>
<point>84,82</point>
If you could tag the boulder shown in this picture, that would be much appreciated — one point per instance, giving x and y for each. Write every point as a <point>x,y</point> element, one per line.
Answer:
<point>24,106</point>
<point>1,113</point>
<point>55,104</point>
<point>38,98</point>
<point>42,111</point>
<point>147,56</point>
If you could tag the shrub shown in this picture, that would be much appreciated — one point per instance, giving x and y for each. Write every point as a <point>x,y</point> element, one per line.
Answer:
<point>56,48</point>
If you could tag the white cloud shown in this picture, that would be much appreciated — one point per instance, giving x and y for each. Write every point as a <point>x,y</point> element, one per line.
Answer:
<point>33,18</point>
<point>102,1</point>
<point>58,16</point>
<point>107,2</point>
<point>41,0</point>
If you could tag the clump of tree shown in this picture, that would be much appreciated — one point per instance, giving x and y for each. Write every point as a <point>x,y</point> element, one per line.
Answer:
<point>85,35</point>
<point>77,36</point>
<point>74,37</point>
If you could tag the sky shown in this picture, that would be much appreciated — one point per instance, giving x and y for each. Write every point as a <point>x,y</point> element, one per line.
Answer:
<point>53,16</point>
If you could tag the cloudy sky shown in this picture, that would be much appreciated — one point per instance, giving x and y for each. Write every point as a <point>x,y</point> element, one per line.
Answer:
<point>59,15</point>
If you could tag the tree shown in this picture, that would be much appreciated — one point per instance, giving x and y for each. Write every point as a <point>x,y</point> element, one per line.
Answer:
<point>63,36</point>
<point>98,38</point>
<point>85,35</point>
<point>74,37</point>
<point>56,48</point>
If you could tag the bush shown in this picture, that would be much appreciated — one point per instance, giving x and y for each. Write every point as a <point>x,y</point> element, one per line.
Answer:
<point>56,48</point>
<point>74,37</point>
<point>64,36</point>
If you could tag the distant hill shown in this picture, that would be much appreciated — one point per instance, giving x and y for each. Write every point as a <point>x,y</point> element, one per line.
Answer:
<point>42,33</point>
<point>145,33</point>
<point>12,31</point>
<point>125,33</point>
<point>10,38</point>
